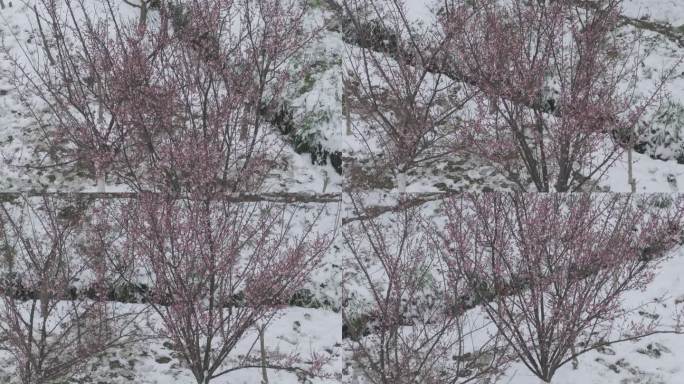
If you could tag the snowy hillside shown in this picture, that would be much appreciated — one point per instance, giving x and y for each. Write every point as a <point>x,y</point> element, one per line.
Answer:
<point>653,359</point>
<point>658,305</point>
<point>341,191</point>
<point>326,138</point>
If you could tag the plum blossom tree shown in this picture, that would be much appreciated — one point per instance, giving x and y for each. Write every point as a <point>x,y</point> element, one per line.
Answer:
<point>557,81</point>
<point>551,270</point>
<point>47,326</point>
<point>217,269</point>
<point>411,329</point>
<point>171,104</point>
<point>403,103</point>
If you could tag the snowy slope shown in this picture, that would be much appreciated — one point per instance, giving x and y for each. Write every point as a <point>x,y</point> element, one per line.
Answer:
<point>656,359</point>
<point>297,331</point>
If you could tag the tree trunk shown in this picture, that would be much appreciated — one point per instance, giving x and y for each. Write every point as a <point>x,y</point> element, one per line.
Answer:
<point>630,174</point>
<point>143,13</point>
<point>345,106</point>
<point>401,182</point>
<point>262,347</point>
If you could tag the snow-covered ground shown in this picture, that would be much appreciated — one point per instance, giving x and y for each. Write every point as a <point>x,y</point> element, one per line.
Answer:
<point>317,105</point>
<point>667,11</point>
<point>654,359</point>
<point>311,326</point>
<point>319,113</point>
<point>29,164</point>
<point>662,44</point>
<point>304,332</point>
